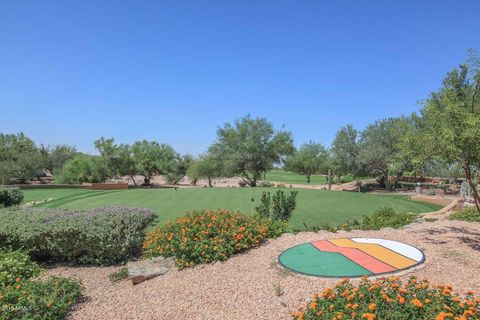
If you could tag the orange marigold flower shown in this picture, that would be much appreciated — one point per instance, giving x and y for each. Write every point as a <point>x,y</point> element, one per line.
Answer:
<point>368,316</point>
<point>417,303</point>
<point>401,300</point>
<point>372,306</point>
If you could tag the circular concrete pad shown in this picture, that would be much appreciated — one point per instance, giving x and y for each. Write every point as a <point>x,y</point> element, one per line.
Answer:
<point>351,257</point>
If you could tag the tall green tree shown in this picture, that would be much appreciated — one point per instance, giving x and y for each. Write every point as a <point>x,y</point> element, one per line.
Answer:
<point>311,158</point>
<point>345,151</point>
<point>179,168</point>
<point>125,162</point>
<point>251,147</point>
<point>83,168</point>
<point>451,121</point>
<point>152,158</point>
<point>380,150</point>
<point>107,150</point>
<point>19,159</point>
<point>206,167</point>
<point>53,158</point>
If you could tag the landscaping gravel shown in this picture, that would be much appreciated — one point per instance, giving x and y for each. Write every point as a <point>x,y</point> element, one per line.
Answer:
<point>253,286</point>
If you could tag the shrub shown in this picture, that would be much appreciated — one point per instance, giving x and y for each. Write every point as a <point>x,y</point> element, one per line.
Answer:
<point>280,185</point>
<point>39,299</point>
<point>385,217</point>
<point>466,214</point>
<point>264,184</point>
<point>96,236</point>
<point>16,264</point>
<point>206,236</point>
<point>279,206</point>
<point>389,299</point>
<point>10,196</point>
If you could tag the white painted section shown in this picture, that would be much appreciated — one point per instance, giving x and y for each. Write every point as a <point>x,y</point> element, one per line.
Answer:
<point>401,248</point>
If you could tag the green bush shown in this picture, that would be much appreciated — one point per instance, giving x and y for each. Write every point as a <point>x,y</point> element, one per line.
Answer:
<point>389,299</point>
<point>10,196</point>
<point>385,217</point>
<point>14,265</point>
<point>279,206</point>
<point>99,236</point>
<point>466,214</point>
<point>51,298</point>
<point>206,236</point>
<point>264,184</point>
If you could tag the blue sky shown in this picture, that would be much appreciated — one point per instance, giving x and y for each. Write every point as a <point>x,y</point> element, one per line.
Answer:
<point>173,71</point>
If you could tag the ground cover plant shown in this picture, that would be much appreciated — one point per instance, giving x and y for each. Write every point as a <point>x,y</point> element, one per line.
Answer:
<point>207,236</point>
<point>466,214</point>
<point>314,207</point>
<point>389,299</point>
<point>97,236</point>
<point>23,297</point>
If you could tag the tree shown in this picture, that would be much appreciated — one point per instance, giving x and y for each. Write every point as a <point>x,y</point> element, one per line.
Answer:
<point>250,147</point>
<point>451,121</point>
<point>107,150</point>
<point>55,157</point>
<point>207,167</point>
<point>125,162</point>
<point>379,148</point>
<point>152,158</point>
<point>19,158</point>
<point>179,168</point>
<point>83,168</point>
<point>310,158</point>
<point>345,151</point>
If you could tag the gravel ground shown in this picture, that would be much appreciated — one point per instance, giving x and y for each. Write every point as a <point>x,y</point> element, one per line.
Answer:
<point>243,286</point>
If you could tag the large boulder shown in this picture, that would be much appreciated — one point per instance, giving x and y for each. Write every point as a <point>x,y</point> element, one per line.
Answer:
<point>142,270</point>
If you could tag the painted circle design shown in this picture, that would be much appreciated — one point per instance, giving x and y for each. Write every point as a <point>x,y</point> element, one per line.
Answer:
<point>351,257</point>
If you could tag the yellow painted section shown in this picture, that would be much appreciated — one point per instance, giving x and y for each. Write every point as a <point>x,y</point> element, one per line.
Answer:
<point>381,253</point>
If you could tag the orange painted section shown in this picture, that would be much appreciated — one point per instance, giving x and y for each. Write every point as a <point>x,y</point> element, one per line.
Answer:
<point>381,253</point>
<point>359,257</point>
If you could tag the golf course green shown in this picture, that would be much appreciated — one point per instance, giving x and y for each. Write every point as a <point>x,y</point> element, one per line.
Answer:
<point>314,207</point>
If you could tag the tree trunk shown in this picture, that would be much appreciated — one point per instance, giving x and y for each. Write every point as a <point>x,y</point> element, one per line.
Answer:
<point>308,178</point>
<point>468,175</point>
<point>210,182</point>
<point>146,180</point>
<point>133,179</point>
<point>329,179</point>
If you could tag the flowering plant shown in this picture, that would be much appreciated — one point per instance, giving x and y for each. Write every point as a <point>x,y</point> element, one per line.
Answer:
<point>389,298</point>
<point>206,236</point>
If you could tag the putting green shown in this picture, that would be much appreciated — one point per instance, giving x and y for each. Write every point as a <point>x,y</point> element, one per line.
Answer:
<point>353,257</point>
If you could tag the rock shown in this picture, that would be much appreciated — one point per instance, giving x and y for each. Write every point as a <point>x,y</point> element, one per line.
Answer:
<point>139,271</point>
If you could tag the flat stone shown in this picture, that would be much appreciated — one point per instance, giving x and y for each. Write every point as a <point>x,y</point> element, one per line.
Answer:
<point>139,271</point>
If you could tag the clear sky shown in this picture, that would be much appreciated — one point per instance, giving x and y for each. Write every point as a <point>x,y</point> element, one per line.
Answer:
<point>173,71</point>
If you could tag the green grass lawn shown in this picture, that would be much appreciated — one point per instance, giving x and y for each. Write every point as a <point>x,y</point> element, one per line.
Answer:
<point>313,206</point>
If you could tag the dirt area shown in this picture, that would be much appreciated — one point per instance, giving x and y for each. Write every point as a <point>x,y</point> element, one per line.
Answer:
<point>243,286</point>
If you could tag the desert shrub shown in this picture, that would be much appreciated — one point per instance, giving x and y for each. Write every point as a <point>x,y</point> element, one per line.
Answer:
<point>385,217</point>
<point>206,236</point>
<point>389,299</point>
<point>10,196</point>
<point>16,264</point>
<point>39,299</point>
<point>277,207</point>
<point>97,236</point>
<point>466,214</point>
<point>264,184</point>
<point>280,185</point>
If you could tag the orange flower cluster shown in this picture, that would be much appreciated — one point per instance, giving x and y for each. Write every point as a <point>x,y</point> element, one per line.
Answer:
<point>390,298</point>
<point>206,236</point>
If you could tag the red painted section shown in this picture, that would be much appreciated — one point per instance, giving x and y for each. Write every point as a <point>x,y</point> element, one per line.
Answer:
<point>359,257</point>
